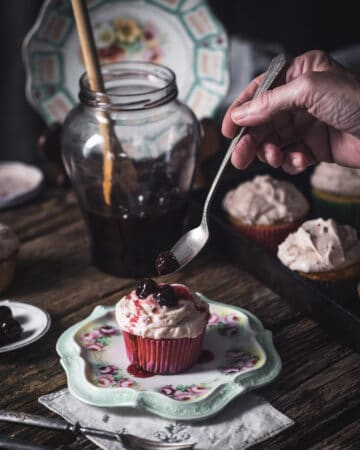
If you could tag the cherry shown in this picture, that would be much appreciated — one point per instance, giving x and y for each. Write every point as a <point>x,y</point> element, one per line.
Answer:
<point>166,263</point>
<point>10,330</point>
<point>146,287</point>
<point>165,296</point>
<point>5,313</point>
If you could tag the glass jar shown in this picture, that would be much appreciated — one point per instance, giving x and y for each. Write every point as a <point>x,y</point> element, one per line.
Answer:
<point>154,141</point>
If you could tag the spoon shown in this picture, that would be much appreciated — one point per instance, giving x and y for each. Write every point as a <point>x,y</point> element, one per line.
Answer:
<point>192,242</point>
<point>130,441</point>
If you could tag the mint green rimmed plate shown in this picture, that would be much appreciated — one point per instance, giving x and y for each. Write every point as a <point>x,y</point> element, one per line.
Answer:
<point>238,356</point>
<point>181,34</point>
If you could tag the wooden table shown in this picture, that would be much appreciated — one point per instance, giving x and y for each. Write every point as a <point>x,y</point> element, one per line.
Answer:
<point>319,387</point>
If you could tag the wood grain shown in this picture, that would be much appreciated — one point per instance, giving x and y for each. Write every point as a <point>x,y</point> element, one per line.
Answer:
<point>319,386</point>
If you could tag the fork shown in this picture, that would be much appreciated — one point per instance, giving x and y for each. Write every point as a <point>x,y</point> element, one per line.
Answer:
<point>130,441</point>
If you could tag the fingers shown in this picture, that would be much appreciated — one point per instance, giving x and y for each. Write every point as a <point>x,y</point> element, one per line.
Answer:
<point>264,108</point>
<point>273,155</point>
<point>229,128</point>
<point>297,157</point>
<point>293,159</point>
<point>312,61</point>
<point>245,152</point>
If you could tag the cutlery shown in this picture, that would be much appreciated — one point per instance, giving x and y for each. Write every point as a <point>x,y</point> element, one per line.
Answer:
<point>128,440</point>
<point>18,444</point>
<point>192,242</point>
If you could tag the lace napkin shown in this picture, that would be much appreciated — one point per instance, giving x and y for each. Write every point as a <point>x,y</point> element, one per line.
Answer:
<point>247,420</point>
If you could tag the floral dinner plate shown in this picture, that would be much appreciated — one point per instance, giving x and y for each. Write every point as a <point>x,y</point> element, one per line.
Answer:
<point>181,34</point>
<point>238,355</point>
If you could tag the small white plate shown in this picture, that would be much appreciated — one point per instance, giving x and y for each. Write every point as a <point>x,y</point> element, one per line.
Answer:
<point>34,321</point>
<point>19,183</point>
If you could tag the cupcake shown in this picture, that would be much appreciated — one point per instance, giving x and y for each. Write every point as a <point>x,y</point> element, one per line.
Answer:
<point>266,210</point>
<point>336,193</point>
<point>9,247</point>
<point>326,253</point>
<point>163,326</point>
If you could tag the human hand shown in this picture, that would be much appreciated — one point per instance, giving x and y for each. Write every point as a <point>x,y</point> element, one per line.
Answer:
<point>313,116</point>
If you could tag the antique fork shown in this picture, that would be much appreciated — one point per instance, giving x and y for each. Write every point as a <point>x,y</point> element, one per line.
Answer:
<point>128,440</point>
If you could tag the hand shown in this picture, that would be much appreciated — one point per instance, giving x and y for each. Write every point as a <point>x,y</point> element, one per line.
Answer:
<point>313,116</point>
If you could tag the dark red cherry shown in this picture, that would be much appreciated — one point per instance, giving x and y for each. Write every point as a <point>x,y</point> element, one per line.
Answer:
<point>165,296</point>
<point>10,330</point>
<point>5,313</point>
<point>146,287</point>
<point>166,263</point>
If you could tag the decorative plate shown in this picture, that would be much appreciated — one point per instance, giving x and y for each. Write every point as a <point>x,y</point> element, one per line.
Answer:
<point>181,34</point>
<point>238,355</point>
<point>18,183</point>
<point>34,321</point>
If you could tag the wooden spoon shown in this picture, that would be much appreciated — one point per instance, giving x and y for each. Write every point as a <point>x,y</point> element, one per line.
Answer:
<point>112,150</point>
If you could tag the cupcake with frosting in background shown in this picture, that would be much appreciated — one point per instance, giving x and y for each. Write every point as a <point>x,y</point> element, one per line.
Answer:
<point>9,247</point>
<point>163,326</point>
<point>325,253</point>
<point>336,193</point>
<point>266,210</point>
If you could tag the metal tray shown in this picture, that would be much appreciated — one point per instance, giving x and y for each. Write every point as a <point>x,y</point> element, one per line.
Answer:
<point>339,317</point>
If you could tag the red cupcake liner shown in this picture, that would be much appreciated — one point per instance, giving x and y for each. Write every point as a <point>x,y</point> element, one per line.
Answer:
<point>163,356</point>
<point>267,236</point>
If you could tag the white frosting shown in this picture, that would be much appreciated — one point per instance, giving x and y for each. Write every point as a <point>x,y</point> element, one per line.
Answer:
<point>319,246</point>
<point>265,201</point>
<point>146,318</point>
<point>335,179</point>
<point>9,242</point>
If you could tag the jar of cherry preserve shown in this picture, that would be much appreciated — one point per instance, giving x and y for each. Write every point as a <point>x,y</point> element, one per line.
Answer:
<point>131,155</point>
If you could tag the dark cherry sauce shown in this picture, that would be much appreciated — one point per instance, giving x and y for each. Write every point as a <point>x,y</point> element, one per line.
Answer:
<point>125,244</point>
<point>137,372</point>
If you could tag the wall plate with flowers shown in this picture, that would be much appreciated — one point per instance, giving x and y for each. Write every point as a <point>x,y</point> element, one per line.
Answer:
<point>183,35</point>
<point>238,355</point>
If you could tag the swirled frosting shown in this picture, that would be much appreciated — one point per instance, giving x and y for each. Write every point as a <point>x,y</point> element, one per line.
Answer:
<point>319,246</point>
<point>265,201</point>
<point>145,317</point>
<point>335,179</point>
<point>9,242</point>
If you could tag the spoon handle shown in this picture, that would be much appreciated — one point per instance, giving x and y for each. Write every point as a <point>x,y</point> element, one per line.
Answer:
<point>274,69</point>
<point>53,423</point>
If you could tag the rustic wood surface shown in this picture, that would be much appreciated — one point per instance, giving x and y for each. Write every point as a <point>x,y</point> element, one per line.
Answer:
<point>319,386</point>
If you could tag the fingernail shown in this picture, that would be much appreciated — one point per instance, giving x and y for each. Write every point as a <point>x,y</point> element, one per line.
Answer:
<point>296,161</point>
<point>238,113</point>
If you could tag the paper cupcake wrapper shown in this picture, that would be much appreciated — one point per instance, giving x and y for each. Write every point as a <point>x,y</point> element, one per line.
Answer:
<point>342,285</point>
<point>267,236</point>
<point>163,356</point>
<point>345,212</point>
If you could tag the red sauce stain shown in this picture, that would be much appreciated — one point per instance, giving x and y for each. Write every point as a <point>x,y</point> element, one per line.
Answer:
<point>136,371</point>
<point>205,356</point>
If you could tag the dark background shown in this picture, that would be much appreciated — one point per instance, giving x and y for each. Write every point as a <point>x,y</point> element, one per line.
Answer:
<point>297,25</point>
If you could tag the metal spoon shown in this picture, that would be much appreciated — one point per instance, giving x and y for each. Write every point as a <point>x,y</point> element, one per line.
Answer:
<point>192,242</point>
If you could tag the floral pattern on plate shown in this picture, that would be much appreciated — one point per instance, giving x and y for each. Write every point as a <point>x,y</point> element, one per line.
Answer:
<point>185,393</point>
<point>237,355</point>
<point>111,376</point>
<point>124,38</point>
<point>226,324</point>
<point>96,339</point>
<point>184,36</point>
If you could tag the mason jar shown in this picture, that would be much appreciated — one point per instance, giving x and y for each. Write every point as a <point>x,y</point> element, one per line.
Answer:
<point>131,155</point>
